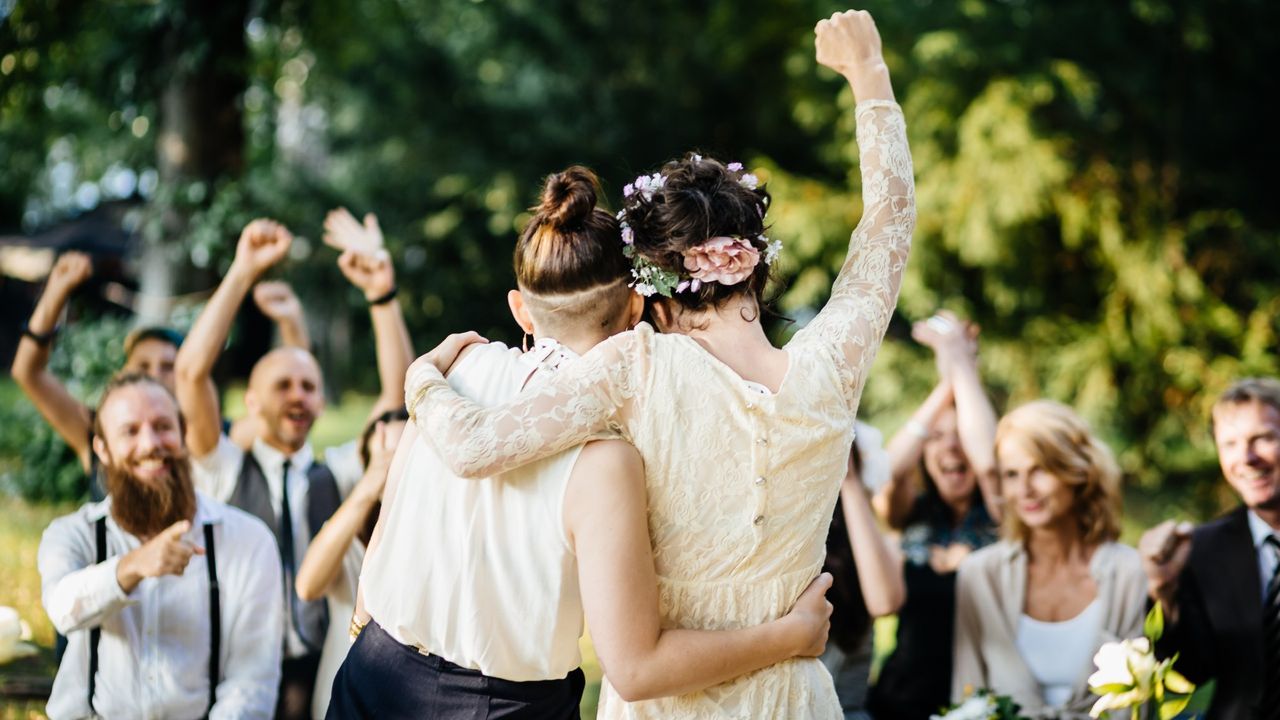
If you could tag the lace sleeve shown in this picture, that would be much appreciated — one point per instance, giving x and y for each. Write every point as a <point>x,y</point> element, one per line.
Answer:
<point>865,292</point>
<point>587,399</point>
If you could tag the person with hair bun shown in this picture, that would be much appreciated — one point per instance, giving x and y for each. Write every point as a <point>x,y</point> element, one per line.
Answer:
<point>1033,609</point>
<point>474,592</point>
<point>744,444</point>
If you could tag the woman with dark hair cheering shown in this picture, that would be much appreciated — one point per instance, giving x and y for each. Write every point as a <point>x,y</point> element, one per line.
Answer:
<point>943,498</point>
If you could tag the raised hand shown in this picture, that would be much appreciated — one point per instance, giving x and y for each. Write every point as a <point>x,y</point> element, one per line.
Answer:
<point>69,273</point>
<point>371,272</point>
<point>951,339</point>
<point>1165,550</point>
<point>812,617</point>
<point>277,301</point>
<point>849,43</point>
<point>165,554</point>
<point>382,447</point>
<point>343,232</point>
<point>263,243</point>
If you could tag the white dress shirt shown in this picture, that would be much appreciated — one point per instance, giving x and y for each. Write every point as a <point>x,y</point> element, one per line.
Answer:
<point>154,645</point>
<point>218,472</point>
<point>1266,556</point>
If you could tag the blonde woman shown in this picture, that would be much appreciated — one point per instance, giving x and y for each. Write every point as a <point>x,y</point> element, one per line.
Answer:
<point>1032,609</point>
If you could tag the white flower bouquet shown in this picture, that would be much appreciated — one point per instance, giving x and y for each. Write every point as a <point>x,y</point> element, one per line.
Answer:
<point>1130,677</point>
<point>982,705</point>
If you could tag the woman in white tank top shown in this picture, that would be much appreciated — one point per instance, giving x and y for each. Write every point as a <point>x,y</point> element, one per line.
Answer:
<point>744,444</point>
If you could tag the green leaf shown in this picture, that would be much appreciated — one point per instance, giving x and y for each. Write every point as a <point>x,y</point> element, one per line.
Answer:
<point>1153,628</point>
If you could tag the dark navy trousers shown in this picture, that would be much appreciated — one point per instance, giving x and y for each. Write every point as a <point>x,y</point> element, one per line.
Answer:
<point>382,678</point>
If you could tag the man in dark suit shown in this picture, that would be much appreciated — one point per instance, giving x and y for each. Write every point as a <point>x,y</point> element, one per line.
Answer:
<point>1219,583</point>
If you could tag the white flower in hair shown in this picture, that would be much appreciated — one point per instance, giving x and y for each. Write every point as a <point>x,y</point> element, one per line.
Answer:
<point>749,181</point>
<point>772,249</point>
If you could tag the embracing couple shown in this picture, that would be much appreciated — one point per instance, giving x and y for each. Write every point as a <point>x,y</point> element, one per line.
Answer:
<point>674,485</point>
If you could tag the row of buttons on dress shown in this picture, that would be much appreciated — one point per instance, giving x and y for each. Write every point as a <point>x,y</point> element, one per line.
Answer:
<point>761,443</point>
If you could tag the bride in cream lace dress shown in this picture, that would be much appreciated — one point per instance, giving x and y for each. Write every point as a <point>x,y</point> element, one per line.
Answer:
<point>744,444</point>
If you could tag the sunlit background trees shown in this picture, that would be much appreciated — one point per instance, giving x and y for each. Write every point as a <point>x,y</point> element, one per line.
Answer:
<point>1094,177</point>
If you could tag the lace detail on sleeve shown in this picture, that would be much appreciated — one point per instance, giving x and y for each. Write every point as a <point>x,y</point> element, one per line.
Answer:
<point>865,292</point>
<point>587,399</point>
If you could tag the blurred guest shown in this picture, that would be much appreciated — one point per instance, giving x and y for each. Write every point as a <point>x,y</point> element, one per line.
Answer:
<point>170,600</point>
<point>1033,609</point>
<point>867,572</point>
<point>943,497</point>
<point>148,350</point>
<point>279,479</point>
<point>1219,584</point>
<point>331,568</point>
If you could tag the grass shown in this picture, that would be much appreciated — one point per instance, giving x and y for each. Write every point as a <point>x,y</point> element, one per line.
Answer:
<point>19,538</point>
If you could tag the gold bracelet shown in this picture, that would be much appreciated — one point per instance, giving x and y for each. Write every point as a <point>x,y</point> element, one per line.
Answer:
<point>355,628</point>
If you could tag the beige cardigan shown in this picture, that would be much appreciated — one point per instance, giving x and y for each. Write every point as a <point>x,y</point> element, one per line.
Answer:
<point>990,591</point>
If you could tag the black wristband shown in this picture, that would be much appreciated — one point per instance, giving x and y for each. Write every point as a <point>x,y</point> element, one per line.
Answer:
<point>43,339</point>
<point>383,300</point>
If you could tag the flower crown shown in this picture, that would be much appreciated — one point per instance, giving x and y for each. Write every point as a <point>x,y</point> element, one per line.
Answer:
<point>727,260</point>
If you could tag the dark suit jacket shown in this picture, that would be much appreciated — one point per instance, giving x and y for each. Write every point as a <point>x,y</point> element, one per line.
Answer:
<point>1219,628</point>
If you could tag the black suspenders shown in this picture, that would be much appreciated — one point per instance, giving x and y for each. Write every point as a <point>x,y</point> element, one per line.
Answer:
<point>215,614</point>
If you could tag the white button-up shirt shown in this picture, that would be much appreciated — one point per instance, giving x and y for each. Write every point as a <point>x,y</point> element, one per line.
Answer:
<point>153,652</point>
<point>1260,531</point>
<point>218,472</point>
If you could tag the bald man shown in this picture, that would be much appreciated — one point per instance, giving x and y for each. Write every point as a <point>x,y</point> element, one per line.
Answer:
<point>279,478</point>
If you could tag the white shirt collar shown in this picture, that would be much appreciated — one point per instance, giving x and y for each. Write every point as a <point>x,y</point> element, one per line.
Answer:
<point>547,354</point>
<point>1260,530</point>
<point>272,460</point>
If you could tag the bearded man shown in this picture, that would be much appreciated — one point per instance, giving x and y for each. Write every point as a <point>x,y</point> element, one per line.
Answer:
<point>169,600</point>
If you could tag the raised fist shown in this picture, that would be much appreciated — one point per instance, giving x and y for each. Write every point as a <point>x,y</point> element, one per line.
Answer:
<point>276,300</point>
<point>1165,550</point>
<point>69,272</point>
<point>263,243</point>
<point>848,41</point>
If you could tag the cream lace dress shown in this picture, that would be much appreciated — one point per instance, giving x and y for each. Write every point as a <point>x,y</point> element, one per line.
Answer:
<point>741,481</point>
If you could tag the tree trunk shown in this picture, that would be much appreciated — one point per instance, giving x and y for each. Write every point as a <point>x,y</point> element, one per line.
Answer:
<point>200,139</point>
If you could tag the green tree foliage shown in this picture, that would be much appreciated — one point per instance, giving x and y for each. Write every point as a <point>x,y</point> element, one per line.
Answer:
<point>1093,177</point>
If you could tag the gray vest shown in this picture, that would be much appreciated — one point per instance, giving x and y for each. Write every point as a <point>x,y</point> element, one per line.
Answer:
<point>310,619</point>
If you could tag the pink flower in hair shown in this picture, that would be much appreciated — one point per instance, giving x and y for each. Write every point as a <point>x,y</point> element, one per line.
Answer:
<point>725,260</point>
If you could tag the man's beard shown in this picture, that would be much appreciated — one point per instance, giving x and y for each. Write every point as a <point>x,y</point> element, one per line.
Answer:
<point>142,507</point>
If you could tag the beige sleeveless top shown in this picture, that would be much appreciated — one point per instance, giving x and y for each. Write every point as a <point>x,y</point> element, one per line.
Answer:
<point>480,572</point>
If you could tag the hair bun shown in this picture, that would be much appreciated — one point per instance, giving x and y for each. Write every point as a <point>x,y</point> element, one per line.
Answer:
<point>569,197</point>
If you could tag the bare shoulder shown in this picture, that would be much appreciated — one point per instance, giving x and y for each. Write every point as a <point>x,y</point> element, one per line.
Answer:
<point>605,459</point>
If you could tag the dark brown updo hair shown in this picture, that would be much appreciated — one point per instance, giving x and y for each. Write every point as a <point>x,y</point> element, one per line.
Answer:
<point>700,198</point>
<point>571,244</point>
